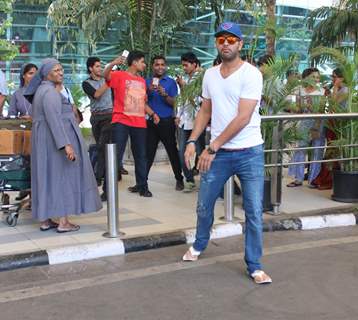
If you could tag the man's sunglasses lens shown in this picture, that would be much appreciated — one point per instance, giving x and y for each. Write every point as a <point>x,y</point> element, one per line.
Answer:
<point>230,40</point>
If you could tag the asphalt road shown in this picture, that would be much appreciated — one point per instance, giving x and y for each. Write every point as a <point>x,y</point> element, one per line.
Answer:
<point>315,276</point>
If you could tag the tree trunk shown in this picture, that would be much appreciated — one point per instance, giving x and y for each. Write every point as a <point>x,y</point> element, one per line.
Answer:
<point>151,31</point>
<point>270,27</point>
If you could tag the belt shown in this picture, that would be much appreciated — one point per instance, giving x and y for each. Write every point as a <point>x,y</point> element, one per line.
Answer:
<point>232,150</point>
<point>97,113</point>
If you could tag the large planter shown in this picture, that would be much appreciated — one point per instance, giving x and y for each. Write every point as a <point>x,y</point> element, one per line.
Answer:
<point>345,186</point>
<point>267,204</point>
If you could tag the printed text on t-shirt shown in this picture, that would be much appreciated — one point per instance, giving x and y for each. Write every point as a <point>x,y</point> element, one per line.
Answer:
<point>134,102</point>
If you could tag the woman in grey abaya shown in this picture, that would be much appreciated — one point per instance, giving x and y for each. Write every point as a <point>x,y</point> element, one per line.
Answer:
<point>62,179</point>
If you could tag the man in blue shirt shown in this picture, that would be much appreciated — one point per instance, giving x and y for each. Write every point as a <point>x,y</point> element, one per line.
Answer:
<point>162,91</point>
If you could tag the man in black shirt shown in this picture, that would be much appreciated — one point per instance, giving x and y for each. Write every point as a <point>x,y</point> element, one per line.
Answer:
<point>101,108</point>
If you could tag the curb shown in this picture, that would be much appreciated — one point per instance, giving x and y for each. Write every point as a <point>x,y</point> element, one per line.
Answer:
<point>114,247</point>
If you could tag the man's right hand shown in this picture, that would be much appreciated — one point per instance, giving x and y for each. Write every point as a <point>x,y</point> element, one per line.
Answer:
<point>119,60</point>
<point>189,154</point>
<point>177,121</point>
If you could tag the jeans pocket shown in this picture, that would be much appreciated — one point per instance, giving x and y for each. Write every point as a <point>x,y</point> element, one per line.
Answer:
<point>256,150</point>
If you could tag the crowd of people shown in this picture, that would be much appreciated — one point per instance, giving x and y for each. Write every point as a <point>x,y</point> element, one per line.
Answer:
<point>312,97</point>
<point>125,105</point>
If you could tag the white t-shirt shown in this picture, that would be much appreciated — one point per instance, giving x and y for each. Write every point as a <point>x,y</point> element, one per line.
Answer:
<point>67,94</point>
<point>3,85</point>
<point>225,94</point>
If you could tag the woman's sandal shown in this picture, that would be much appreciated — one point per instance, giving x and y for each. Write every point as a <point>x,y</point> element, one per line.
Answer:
<point>74,227</point>
<point>191,255</point>
<point>260,277</point>
<point>50,225</point>
<point>294,184</point>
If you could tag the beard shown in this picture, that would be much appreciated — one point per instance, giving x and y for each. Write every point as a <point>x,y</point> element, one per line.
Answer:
<point>228,57</point>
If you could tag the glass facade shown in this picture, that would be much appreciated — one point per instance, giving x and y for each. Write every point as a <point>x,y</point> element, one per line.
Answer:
<point>29,32</point>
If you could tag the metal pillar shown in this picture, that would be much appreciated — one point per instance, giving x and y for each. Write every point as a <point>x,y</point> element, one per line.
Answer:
<point>229,201</point>
<point>276,181</point>
<point>112,192</point>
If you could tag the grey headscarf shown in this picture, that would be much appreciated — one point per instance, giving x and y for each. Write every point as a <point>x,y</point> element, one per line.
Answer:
<point>46,67</point>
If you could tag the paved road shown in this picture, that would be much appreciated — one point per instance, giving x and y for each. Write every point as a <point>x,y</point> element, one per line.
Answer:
<point>315,277</point>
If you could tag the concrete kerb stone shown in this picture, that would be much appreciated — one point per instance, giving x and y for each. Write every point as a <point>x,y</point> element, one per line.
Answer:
<point>112,247</point>
<point>23,260</point>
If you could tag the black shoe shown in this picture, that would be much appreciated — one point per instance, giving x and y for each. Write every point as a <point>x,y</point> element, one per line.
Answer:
<point>237,189</point>
<point>22,195</point>
<point>123,171</point>
<point>133,189</point>
<point>145,193</point>
<point>119,176</point>
<point>103,197</point>
<point>179,185</point>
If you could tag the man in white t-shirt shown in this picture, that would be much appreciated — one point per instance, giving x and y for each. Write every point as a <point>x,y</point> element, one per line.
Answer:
<point>3,91</point>
<point>231,99</point>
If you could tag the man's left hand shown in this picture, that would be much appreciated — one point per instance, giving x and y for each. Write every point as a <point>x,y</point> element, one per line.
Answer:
<point>156,118</point>
<point>161,91</point>
<point>205,161</point>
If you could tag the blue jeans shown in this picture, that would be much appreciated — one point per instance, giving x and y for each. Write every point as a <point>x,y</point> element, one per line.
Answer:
<point>248,164</point>
<point>183,136</point>
<point>120,133</point>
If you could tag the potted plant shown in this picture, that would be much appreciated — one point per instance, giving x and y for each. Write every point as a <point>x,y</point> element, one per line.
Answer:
<point>345,179</point>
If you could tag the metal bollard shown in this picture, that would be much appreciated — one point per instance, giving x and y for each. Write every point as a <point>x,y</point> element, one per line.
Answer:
<point>112,192</point>
<point>229,200</point>
<point>276,182</point>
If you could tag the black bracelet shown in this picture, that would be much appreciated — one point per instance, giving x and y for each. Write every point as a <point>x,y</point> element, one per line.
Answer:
<point>190,141</point>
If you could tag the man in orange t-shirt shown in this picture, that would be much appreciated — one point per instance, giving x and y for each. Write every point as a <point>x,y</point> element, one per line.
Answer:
<point>129,109</point>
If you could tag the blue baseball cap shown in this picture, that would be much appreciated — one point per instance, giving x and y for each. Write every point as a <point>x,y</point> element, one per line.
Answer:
<point>229,27</point>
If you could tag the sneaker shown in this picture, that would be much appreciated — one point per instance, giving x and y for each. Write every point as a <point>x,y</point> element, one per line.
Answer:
<point>133,189</point>
<point>103,196</point>
<point>179,185</point>
<point>123,171</point>
<point>189,187</point>
<point>145,193</point>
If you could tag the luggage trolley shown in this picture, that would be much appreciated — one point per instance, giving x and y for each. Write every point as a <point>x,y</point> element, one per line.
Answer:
<point>14,176</point>
<point>14,167</point>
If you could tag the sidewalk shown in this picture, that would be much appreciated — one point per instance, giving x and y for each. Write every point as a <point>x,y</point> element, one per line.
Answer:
<point>168,211</point>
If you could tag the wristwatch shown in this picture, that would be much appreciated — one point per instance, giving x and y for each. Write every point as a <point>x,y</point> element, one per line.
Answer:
<point>210,151</point>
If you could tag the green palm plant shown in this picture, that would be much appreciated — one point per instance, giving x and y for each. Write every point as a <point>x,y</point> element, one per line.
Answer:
<point>276,100</point>
<point>146,25</point>
<point>333,25</point>
<point>346,131</point>
<point>8,51</point>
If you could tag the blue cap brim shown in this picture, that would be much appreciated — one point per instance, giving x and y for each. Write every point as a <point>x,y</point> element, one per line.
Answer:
<point>227,32</point>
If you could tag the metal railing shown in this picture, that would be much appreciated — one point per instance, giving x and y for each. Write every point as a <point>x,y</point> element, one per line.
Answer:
<point>277,155</point>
